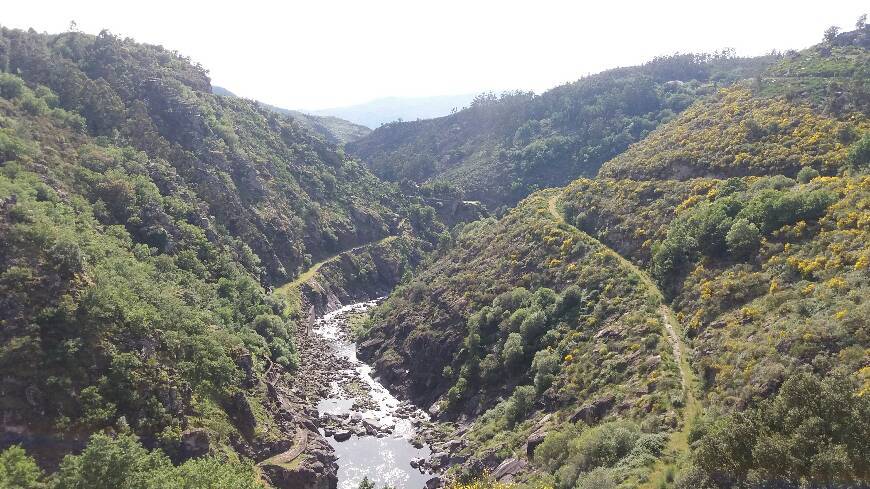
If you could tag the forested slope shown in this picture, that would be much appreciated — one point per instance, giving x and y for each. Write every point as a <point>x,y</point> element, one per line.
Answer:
<point>500,149</point>
<point>267,181</point>
<point>143,221</point>
<point>332,129</point>
<point>749,211</point>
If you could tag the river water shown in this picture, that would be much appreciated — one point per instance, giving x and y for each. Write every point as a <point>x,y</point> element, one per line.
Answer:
<point>384,460</point>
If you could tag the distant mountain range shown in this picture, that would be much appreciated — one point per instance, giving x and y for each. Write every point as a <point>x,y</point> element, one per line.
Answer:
<point>345,124</point>
<point>389,109</point>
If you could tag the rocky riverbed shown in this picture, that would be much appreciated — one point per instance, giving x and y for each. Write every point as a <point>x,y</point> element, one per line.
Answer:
<point>373,433</point>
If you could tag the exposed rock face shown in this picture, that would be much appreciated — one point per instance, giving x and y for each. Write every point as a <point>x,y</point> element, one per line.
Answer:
<point>362,273</point>
<point>194,443</point>
<point>508,469</point>
<point>594,411</point>
<point>532,443</point>
<point>434,483</point>
<point>239,409</point>
<point>342,435</point>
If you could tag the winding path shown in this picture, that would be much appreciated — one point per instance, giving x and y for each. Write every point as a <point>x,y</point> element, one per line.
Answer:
<point>289,292</point>
<point>678,443</point>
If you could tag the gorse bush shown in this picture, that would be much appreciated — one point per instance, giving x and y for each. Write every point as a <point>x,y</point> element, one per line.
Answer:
<point>736,222</point>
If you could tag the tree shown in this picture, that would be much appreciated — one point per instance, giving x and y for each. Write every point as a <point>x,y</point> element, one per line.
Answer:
<point>18,471</point>
<point>545,365</point>
<point>806,174</point>
<point>743,238</point>
<point>831,33</point>
<point>123,463</point>
<point>813,431</point>
<point>520,404</point>
<point>512,352</point>
<point>861,22</point>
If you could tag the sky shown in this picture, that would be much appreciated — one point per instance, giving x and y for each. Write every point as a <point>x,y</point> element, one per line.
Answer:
<point>328,53</point>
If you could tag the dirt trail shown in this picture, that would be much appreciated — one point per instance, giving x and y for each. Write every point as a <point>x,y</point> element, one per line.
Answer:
<point>289,292</point>
<point>679,439</point>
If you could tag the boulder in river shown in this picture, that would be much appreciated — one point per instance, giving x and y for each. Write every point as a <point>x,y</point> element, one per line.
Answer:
<point>342,435</point>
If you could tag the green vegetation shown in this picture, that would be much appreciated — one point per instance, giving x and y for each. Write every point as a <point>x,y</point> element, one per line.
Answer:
<point>809,110</point>
<point>122,463</point>
<point>18,471</point>
<point>500,149</point>
<point>694,316</point>
<point>552,323</point>
<point>333,130</point>
<point>261,178</point>
<point>601,456</point>
<point>749,211</point>
<point>736,133</point>
<point>812,432</point>
<point>142,222</point>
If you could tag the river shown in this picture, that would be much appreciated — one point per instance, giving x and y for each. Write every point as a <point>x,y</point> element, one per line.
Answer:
<point>384,458</point>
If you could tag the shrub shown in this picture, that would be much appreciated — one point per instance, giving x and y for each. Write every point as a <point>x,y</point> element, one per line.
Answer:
<point>599,478</point>
<point>813,430</point>
<point>512,299</point>
<point>570,452</point>
<point>123,463</point>
<point>545,365</point>
<point>279,338</point>
<point>859,153</point>
<point>520,404</point>
<point>490,368</point>
<point>512,352</point>
<point>533,326</point>
<point>18,470</point>
<point>11,86</point>
<point>743,238</point>
<point>806,174</point>
<point>12,147</point>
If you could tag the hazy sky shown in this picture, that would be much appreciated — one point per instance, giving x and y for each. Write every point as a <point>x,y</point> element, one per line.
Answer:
<point>319,54</point>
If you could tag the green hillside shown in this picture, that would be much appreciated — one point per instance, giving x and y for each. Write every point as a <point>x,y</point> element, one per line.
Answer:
<point>143,221</point>
<point>745,216</point>
<point>332,129</point>
<point>500,149</point>
<point>674,292</point>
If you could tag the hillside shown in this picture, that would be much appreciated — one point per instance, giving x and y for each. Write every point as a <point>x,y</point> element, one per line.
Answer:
<point>143,222</point>
<point>695,316</point>
<point>674,292</point>
<point>332,129</point>
<point>803,112</point>
<point>500,149</point>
